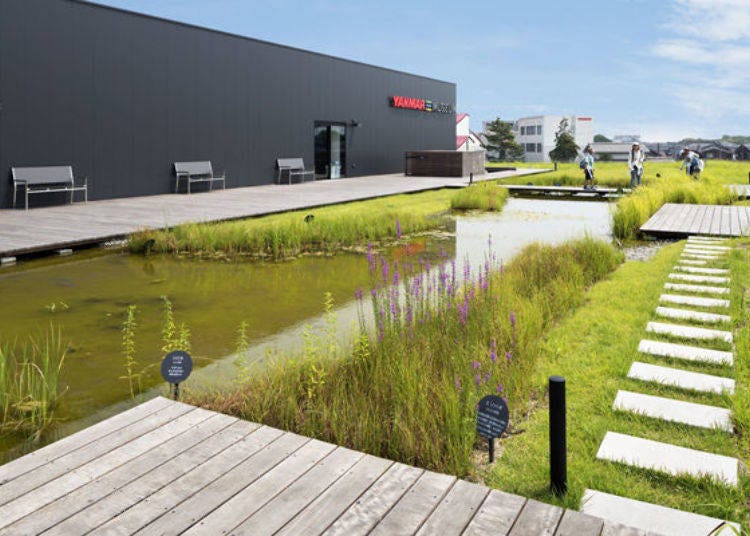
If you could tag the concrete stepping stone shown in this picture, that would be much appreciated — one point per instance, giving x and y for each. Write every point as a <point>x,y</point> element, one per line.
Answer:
<point>708,247</point>
<point>668,409</point>
<point>688,353</point>
<point>653,518</point>
<point>710,271</point>
<point>699,278</point>
<point>682,379</point>
<point>693,262</point>
<point>698,289</point>
<point>695,256</point>
<point>695,301</point>
<point>670,459</point>
<point>688,332</point>
<point>688,314</point>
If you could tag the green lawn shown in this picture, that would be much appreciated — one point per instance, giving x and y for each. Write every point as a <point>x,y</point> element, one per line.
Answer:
<point>616,174</point>
<point>593,349</point>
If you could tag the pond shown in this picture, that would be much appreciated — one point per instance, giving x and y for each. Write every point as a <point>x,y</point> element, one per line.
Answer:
<point>87,297</point>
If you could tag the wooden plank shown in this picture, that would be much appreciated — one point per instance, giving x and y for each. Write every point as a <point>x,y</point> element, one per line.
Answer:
<point>339,498</point>
<point>456,510</point>
<point>177,450</point>
<point>578,524</point>
<point>85,473</point>
<point>367,511</point>
<point>68,444</point>
<point>416,505</point>
<point>725,221</point>
<point>93,450</point>
<point>152,507</point>
<point>744,221</point>
<point>237,509</point>
<point>496,515</point>
<point>286,505</point>
<point>537,518</point>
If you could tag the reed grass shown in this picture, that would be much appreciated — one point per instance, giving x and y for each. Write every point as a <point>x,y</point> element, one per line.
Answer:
<point>634,210</point>
<point>29,382</point>
<point>487,196</point>
<point>326,229</point>
<point>441,338</point>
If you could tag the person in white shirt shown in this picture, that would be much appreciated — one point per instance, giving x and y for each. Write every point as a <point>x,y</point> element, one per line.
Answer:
<point>635,164</point>
<point>693,161</point>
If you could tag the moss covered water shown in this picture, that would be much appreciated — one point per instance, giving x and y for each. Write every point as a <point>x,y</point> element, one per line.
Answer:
<point>88,296</point>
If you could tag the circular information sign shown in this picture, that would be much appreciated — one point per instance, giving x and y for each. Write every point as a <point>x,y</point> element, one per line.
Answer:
<point>492,417</point>
<point>176,366</point>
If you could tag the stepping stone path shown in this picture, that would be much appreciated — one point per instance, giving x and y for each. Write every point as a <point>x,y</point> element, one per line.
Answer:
<point>703,289</point>
<point>691,276</point>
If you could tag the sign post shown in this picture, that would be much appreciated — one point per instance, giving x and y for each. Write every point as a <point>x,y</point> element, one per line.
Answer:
<point>175,369</point>
<point>492,420</point>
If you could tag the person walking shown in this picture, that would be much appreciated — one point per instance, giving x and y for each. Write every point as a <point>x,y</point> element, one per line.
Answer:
<point>635,164</point>
<point>587,165</point>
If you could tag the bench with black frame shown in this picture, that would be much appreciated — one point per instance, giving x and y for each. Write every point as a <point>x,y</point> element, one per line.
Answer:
<point>293,167</point>
<point>46,179</point>
<point>192,172</point>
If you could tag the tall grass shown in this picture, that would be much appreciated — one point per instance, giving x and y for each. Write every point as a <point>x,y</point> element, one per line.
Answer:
<point>634,210</point>
<point>327,229</point>
<point>487,196</point>
<point>128,352</point>
<point>443,337</point>
<point>29,374</point>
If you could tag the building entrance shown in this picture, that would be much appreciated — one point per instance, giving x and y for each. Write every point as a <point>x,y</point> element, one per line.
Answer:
<point>330,150</point>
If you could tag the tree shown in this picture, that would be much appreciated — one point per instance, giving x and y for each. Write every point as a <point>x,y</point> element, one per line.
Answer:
<point>500,138</point>
<point>601,138</point>
<point>565,144</point>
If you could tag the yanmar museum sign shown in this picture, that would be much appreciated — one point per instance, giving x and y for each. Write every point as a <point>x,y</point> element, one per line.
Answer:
<point>422,105</point>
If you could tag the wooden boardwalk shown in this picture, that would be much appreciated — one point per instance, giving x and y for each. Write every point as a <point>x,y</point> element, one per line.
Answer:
<point>679,220</point>
<point>169,468</point>
<point>564,191</point>
<point>64,226</point>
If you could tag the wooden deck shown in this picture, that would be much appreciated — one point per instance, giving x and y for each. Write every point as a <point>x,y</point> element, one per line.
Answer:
<point>64,226</point>
<point>564,191</point>
<point>679,220</point>
<point>169,468</point>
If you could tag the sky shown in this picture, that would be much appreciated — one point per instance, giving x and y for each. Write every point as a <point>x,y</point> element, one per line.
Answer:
<point>662,69</point>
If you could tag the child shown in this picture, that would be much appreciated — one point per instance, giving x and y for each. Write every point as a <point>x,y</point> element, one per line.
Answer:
<point>587,164</point>
<point>693,161</point>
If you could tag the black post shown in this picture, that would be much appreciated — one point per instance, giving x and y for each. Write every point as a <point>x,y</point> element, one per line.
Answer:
<point>491,444</point>
<point>555,166</point>
<point>176,390</point>
<point>471,178</point>
<point>748,176</point>
<point>558,466</point>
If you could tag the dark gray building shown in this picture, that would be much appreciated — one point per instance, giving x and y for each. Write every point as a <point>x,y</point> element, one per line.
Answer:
<point>121,96</point>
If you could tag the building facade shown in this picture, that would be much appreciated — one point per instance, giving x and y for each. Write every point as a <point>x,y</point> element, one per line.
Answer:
<point>121,96</point>
<point>536,134</point>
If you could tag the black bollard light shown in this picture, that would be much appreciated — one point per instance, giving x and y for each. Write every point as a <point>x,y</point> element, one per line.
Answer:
<point>471,178</point>
<point>558,449</point>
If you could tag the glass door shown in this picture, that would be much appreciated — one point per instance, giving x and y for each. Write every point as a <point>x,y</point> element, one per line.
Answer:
<point>330,150</point>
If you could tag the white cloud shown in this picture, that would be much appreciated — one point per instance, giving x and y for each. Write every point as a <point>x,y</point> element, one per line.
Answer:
<point>712,48</point>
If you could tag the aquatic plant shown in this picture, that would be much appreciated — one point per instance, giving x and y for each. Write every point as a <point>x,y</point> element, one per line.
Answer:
<point>406,387</point>
<point>173,336</point>
<point>128,352</point>
<point>29,375</point>
<point>487,196</point>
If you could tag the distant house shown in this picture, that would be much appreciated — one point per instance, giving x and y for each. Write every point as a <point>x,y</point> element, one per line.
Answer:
<point>742,152</point>
<point>466,139</point>
<point>616,152</point>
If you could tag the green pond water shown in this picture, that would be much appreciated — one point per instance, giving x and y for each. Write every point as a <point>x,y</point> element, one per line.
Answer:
<point>87,296</point>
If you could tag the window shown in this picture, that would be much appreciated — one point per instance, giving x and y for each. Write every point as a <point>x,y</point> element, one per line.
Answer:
<point>539,129</point>
<point>531,147</point>
<point>523,131</point>
<point>538,147</point>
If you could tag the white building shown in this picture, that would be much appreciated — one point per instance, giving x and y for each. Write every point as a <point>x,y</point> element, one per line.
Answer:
<point>466,140</point>
<point>537,134</point>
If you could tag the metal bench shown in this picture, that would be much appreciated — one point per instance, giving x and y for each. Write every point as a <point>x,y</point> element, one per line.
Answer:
<point>196,172</point>
<point>293,167</point>
<point>46,179</point>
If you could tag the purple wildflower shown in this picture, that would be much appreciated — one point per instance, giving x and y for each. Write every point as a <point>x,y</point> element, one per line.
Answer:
<point>487,376</point>
<point>499,388</point>
<point>463,312</point>
<point>475,364</point>
<point>508,356</point>
<point>493,351</point>
<point>358,294</point>
<point>512,319</point>
<point>478,379</point>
